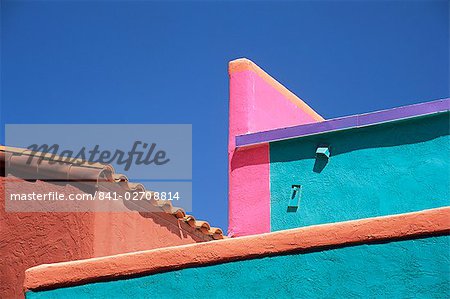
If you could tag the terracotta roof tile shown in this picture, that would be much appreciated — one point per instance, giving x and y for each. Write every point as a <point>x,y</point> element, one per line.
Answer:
<point>80,170</point>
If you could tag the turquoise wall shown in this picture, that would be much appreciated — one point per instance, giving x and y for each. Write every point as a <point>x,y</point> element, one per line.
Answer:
<point>379,170</point>
<point>404,269</point>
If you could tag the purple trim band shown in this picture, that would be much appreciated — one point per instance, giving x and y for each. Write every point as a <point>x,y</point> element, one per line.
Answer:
<point>348,122</point>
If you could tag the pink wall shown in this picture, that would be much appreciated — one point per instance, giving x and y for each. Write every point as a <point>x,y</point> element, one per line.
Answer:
<point>257,103</point>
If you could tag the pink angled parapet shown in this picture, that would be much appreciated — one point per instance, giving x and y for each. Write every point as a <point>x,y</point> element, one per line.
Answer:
<point>257,103</point>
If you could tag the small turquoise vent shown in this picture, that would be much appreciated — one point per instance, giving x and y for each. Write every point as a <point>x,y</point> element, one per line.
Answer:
<point>323,151</point>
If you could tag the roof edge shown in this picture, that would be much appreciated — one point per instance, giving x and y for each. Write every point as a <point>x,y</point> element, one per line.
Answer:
<point>355,232</point>
<point>344,123</point>
<point>244,64</point>
<point>93,172</point>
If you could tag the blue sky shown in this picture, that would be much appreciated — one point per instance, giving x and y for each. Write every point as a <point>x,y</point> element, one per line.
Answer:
<point>166,62</point>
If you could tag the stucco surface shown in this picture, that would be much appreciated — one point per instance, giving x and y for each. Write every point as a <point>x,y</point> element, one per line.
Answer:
<point>301,240</point>
<point>249,203</point>
<point>379,170</point>
<point>30,239</point>
<point>257,103</point>
<point>403,269</point>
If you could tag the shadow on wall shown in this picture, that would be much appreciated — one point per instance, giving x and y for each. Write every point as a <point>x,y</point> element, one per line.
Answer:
<point>320,164</point>
<point>403,132</point>
<point>160,218</point>
<point>248,156</point>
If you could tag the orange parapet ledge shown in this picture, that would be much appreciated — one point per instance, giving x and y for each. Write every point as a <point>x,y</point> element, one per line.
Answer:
<point>363,231</point>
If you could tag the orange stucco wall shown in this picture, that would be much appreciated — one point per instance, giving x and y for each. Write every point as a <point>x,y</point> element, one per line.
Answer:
<point>30,239</point>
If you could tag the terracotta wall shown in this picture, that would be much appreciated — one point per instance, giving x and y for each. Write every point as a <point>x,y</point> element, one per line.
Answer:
<point>30,239</point>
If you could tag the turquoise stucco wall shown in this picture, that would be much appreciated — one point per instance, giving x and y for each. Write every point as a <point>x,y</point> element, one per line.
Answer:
<point>403,269</point>
<point>379,170</point>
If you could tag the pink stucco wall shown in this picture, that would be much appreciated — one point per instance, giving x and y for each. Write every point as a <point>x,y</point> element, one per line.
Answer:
<point>257,103</point>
